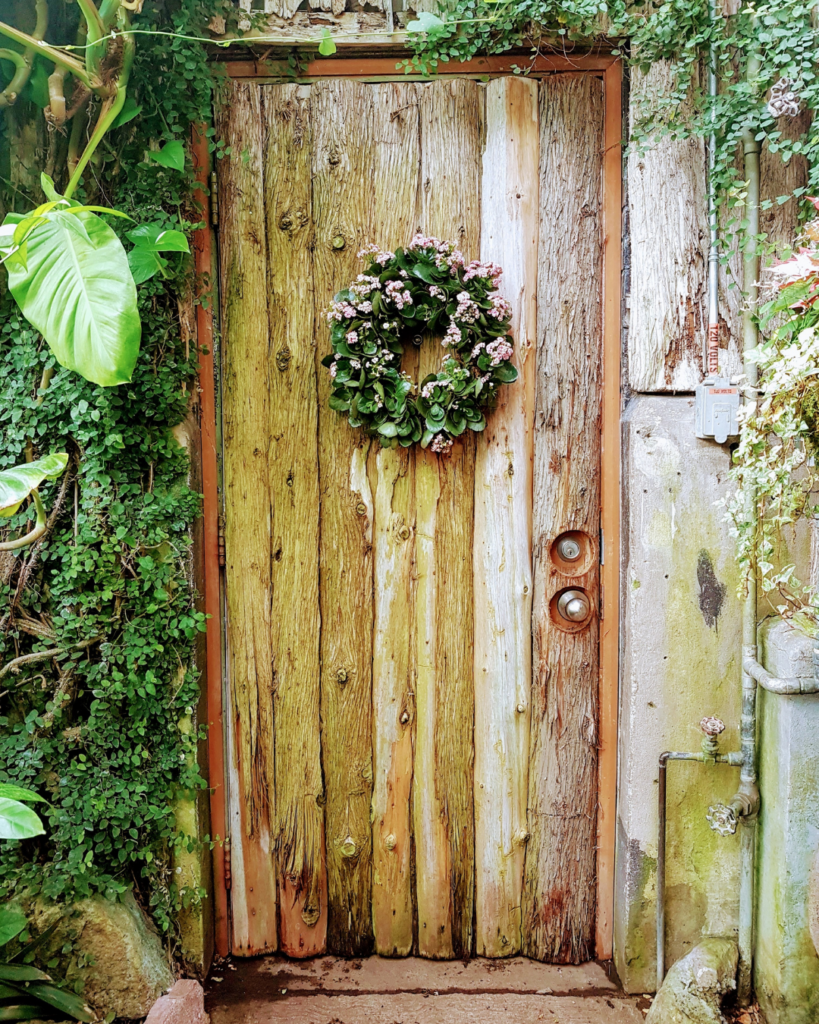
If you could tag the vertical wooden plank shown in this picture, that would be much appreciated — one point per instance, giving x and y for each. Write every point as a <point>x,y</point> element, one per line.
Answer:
<point>342,120</point>
<point>396,159</point>
<point>503,525</point>
<point>610,511</point>
<point>443,800</point>
<point>559,884</point>
<point>294,529</point>
<point>247,504</point>
<point>667,200</point>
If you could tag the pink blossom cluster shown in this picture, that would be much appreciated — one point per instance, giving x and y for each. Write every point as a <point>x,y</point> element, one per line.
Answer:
<point>453,335</point>
<point>441,444</point>
<point>436,292</point>
<point>467,311</point>
<point>398,294</point>
<point>445,252</point>
<point>340,311</point>
<point>381,256</point>
<point>499,350</point>
<point>478,269</point>
<point>427,389</point>
<point>352,337</point>
<point>500,308</point>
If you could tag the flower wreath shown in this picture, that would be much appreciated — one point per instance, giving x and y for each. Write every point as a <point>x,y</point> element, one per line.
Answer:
<point>424,289</point>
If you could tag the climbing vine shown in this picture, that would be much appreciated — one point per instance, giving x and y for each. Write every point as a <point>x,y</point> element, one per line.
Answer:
<point>98,620</point>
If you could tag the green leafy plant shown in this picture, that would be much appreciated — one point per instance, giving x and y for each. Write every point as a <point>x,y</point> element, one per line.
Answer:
<point>17,820</point>
<point>26,992</point>
<point>18,483</point>
<point>149,241</point>
<point>775,460</point>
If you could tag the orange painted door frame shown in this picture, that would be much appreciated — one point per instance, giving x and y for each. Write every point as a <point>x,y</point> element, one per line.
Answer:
<point>610,69</point>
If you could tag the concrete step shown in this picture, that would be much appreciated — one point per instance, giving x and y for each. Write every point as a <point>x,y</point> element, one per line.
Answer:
<point>327,990</point>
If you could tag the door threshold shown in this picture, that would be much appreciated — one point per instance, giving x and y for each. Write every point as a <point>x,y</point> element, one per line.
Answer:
<point>376,990</point>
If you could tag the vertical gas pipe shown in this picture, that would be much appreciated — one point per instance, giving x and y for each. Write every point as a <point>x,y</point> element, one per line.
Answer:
<point>748,780</point>
<point>712,355</point>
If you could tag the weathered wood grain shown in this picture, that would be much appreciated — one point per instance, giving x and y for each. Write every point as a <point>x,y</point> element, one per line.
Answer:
<point>503,525</point>
<point>668,226</point>
<point>247,508</point>
<point>342,119</point>
<point>294,524</point>
<point>443,800</point>
<point>559,885</point>
<point>395,169</point>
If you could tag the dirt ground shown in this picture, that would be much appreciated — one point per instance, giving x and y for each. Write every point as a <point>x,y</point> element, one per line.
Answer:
<point>274,990</point>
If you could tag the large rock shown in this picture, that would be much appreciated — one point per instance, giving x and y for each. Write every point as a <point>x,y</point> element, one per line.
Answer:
<point>694,987</point>
<point>115,951</point>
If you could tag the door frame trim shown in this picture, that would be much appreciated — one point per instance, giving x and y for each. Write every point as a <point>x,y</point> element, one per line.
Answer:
<point>608,68</point>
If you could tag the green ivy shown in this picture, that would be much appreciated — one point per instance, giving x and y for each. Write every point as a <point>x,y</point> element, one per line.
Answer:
<point>96,728</point>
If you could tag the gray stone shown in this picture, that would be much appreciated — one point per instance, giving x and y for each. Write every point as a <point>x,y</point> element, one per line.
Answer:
<point>115,952</point>
<point>681,645</point>
<point>695,986</point>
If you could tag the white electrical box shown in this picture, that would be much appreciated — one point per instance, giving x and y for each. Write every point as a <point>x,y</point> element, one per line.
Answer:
<point>717,405</point>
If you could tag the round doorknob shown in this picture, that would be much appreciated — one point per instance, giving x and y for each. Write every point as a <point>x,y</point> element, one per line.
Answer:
<point>574,605</point>
<point>569,549</point>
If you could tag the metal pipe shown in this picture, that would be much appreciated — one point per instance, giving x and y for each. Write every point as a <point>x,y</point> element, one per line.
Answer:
<point>708,755</point>
<point>787,686</point>
<point>712,354</point>
<point>748,782</point>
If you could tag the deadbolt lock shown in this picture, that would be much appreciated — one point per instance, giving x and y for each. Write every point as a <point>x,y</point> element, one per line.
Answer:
<point>569,549</point>
<point>574,606</point>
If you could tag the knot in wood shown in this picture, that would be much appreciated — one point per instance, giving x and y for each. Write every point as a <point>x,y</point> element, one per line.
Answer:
<point>283,359</point>
<point>404,532</point>
<point>310,914</point>
<point>522,837</point>
<point>404,717</point>
<point>520,708</point>
<point>341,676</point>
<point>348,847</point>
<point>361,508</point>
<point>390,841</point>
<point>338,242</point>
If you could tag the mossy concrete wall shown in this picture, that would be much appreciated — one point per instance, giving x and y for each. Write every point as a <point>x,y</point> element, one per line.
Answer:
<point>680,661</point>
<point>786,970</point>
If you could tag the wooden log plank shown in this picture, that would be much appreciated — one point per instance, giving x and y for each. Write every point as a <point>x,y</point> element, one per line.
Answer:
<point>396,159</point>
<point>559,879</point>
<point>443,799</point>
<point>503,525</point>
<point>342,120</point>
<point>247,504</point>
<point>294,524</point>
<point>668,225</point>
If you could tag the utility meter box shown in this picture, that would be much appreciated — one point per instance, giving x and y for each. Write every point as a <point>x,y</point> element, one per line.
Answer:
<point>717,405</point>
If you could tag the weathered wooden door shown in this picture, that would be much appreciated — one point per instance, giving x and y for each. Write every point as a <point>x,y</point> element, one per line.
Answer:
<point>413,724</point>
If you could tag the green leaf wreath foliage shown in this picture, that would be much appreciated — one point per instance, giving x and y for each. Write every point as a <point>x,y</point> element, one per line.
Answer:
<point>98,618</point>
<point>427,290</point>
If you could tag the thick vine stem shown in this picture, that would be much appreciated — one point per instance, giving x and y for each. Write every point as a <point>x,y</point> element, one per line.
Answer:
<point>8,97</point>
<point>110,109</point>
<point>16,664</point>
<point>55,112</point>
<point>56,56</point>
<point>32,535</point>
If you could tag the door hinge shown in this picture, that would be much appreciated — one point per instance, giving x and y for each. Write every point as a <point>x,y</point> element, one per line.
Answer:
<point>214,200</point>
<point>228,876</point>
<point>221,540</point>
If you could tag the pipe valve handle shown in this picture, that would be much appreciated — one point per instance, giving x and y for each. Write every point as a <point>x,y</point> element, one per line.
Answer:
<point>722,819</point>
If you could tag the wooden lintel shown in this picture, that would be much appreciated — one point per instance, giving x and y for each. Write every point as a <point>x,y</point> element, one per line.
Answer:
<point>361,67</point>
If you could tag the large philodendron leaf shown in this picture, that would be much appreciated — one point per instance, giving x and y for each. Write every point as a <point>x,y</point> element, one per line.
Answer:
<point>74,285</point>
<point>18,821</point>
<point>16,484</point>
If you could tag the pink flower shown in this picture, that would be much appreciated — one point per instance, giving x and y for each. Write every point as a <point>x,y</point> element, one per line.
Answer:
<point>441,444</point>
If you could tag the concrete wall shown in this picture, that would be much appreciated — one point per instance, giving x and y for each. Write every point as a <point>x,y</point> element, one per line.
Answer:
<point>786,971</point>
<point>681,642</point>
